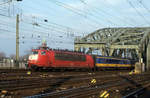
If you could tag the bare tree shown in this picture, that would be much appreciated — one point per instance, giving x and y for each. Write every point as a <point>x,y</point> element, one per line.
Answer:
<point>2,55</point>
<point>12,56</point>
<point>24,57</point>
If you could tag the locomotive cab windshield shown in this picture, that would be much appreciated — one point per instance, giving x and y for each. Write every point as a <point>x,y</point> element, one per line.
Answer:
<point>34,55</point>
<point>43,53</point>
<point>34,52</point>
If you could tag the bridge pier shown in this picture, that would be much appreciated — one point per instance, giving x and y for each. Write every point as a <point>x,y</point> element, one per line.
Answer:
<point>148,57</point>
<point>102,50</point>
<point>111,52</point>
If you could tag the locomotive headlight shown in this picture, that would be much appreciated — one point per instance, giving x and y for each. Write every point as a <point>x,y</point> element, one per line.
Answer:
<point>33,57</point>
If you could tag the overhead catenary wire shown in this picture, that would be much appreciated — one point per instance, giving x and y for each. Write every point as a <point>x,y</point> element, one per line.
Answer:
<point>23,28</point>
<point>97,14</point>
<point>46,18</point>
<point>101,11</point>
<point>6,2</point>
<point>117,17</point>
<point>87,21</point>
<point>54,26</point>
<point>46,28</point>
<point>76,11</point>
<point>122,18</point>
<point>27,37</point>
<point>12,32</point>
<point>49,25</point>
<point>7,7</point>
<point>141,15</point>
<point>58,25</point>
<point>46,31</point>
<point>9,27</point>
<point>91,25</point>
<point>144,6</point>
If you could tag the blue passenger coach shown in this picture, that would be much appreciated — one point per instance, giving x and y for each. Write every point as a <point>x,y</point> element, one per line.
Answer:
<point>111,62</point>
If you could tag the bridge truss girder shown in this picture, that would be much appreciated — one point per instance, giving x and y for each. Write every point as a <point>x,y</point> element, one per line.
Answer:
<point>120,42</point>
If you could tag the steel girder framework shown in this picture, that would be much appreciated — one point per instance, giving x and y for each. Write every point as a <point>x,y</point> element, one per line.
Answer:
<point>121,42</point>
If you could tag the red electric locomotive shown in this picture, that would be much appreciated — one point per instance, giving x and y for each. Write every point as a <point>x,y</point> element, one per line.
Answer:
<point>48,58</point>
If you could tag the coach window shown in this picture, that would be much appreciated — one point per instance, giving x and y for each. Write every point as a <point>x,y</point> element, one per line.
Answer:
<point>43,52</point>
<point>128,62</point>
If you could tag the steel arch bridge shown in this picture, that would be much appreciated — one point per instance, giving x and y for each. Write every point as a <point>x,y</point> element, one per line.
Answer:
<point>131,43</point>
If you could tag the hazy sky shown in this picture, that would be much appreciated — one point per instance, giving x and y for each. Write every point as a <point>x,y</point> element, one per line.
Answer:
<point>65,18</point>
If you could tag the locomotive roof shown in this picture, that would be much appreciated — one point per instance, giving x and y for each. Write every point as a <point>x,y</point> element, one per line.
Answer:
<point>61,51</point>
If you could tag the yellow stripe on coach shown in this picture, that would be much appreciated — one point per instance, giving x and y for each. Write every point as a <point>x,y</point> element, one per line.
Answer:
<point>112,65</point>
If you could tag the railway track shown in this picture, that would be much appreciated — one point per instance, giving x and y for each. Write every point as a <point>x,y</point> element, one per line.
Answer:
<point>87,91</point>
<point>70,84</point>
<point>25,82</point>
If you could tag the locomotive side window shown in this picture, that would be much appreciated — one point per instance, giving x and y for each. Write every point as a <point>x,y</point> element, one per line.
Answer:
<point>34,52</point>
<point>70,57</point>
<point>43,53</point>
